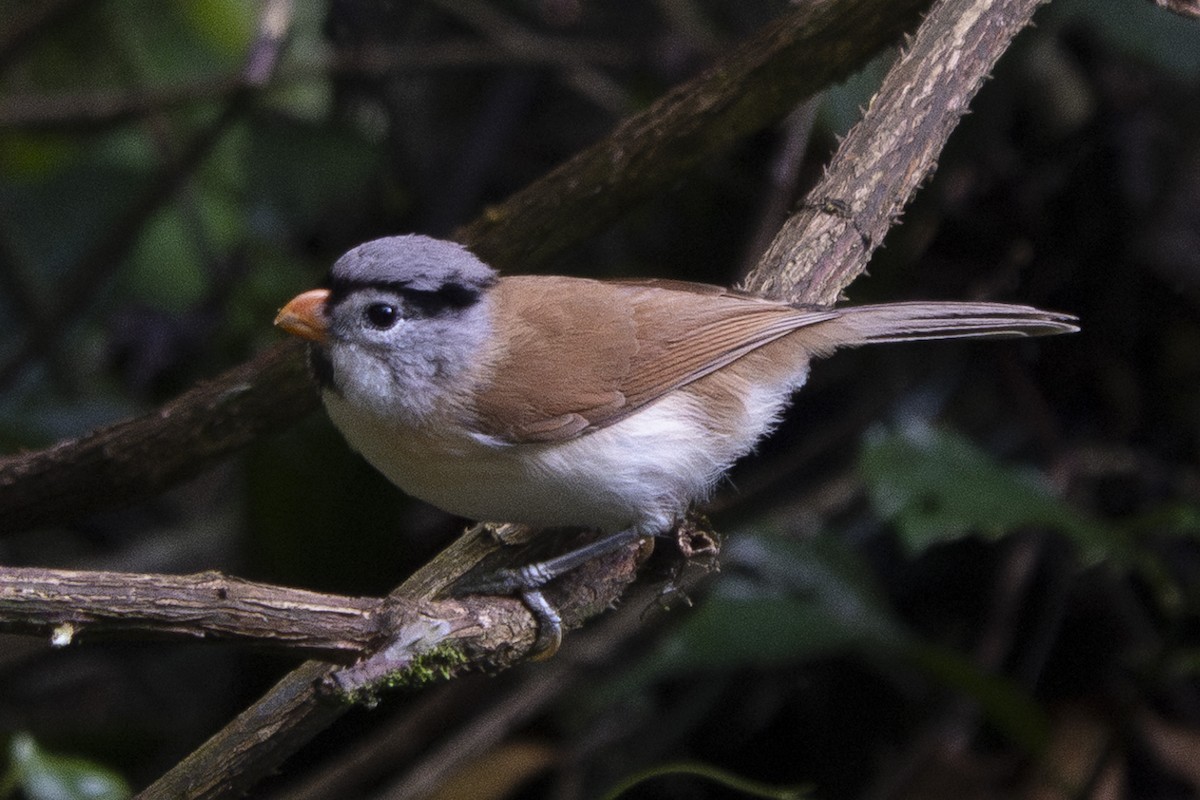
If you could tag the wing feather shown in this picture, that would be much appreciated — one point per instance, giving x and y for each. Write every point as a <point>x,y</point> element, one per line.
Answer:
<point>587,353</point>
<point>592,352</point>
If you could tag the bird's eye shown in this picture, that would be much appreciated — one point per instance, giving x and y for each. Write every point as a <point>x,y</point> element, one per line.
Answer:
<point>381,315</point>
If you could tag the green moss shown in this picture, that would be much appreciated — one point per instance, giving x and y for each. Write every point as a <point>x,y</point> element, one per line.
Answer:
<point>435,665</point>
<point>438,664</point>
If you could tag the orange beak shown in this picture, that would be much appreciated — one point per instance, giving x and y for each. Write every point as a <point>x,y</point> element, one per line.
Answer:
<point>304,316</point>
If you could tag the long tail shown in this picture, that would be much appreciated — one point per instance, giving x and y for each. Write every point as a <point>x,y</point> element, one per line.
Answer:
<point>906,322</point>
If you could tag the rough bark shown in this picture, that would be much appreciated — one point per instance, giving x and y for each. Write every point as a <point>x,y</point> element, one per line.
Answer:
<point>71,606</point>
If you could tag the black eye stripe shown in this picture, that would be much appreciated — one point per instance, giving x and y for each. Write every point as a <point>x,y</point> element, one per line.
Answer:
<point>447,298</point>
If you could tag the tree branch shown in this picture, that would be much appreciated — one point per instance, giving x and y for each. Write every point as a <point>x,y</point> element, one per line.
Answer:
<point>427,639</point>
<point>890,152</point>
<point>69,605</point>
<point>415,635</point>
<point>103,108</point>
<point>136,459</point>
<point>1184,8</point>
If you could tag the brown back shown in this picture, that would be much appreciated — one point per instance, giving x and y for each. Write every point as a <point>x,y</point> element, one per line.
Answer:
<point>583,354</point>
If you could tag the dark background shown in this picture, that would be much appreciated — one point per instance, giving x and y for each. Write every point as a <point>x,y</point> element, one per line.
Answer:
<point>957,570</point>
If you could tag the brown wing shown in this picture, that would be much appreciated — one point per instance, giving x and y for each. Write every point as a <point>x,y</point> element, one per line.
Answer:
<point>591,352</point>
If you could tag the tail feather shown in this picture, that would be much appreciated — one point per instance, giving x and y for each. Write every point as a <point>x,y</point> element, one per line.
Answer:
<point>907,322</point>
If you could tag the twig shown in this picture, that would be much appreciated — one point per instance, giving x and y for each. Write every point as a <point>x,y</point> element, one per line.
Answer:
<point>510,35</point>
<point>68,110</point>
<point>101,108</point>
<point>784,175</point>
<point>888,154</point>
<point>30,309</point>
<point>68,605</point>
<point>517,706</point>
<point>274,23</point>
<point>509,704</point>
<point>1184,8</point>
<point>377,753</point>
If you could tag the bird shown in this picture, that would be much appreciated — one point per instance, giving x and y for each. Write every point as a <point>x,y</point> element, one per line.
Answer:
<point>558,401</point>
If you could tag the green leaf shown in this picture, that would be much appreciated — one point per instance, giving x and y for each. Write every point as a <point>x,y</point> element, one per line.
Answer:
<point>45,776</point>
<point>747,787</point>
<point>936,486</point>
<point>842,104</point>
<point>1005,704</point>
<point>782,601</point>
<point>801,600</point>
<point>225,25</point>
<point>25,156</point>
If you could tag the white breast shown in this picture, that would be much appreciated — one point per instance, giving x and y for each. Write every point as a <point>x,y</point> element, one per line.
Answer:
<point>643,471</point>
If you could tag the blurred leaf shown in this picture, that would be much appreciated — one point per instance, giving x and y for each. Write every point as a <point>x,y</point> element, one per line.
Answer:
<point>782,601</point>
<point>168,268</point>
<point>300,173</point>
<point>728,633</point>
<point>1005,704</point>
<point>226,25</point>
<point>302,100</point>
<point>165,269</point>
<point>27,156</point>
<point>41,775</point>
<point>88,197</point>
<point>1176,519</point>
<point>824,569</point>
<point>126,149</point>
<point>180,41</point>
<point>842,105</point>
<point>34,417</point>
<point>1142,29</point>
<point>937,486</point>
<point>801,600</point>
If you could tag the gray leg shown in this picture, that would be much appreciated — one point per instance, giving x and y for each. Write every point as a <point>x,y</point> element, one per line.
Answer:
<point>539,573</point>
<point>526,582</point>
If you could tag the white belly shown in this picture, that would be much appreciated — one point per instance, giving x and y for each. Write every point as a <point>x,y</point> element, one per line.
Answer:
<point>642,471</point>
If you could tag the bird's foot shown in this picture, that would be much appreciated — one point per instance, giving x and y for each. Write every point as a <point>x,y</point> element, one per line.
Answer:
<point>527,582</point>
